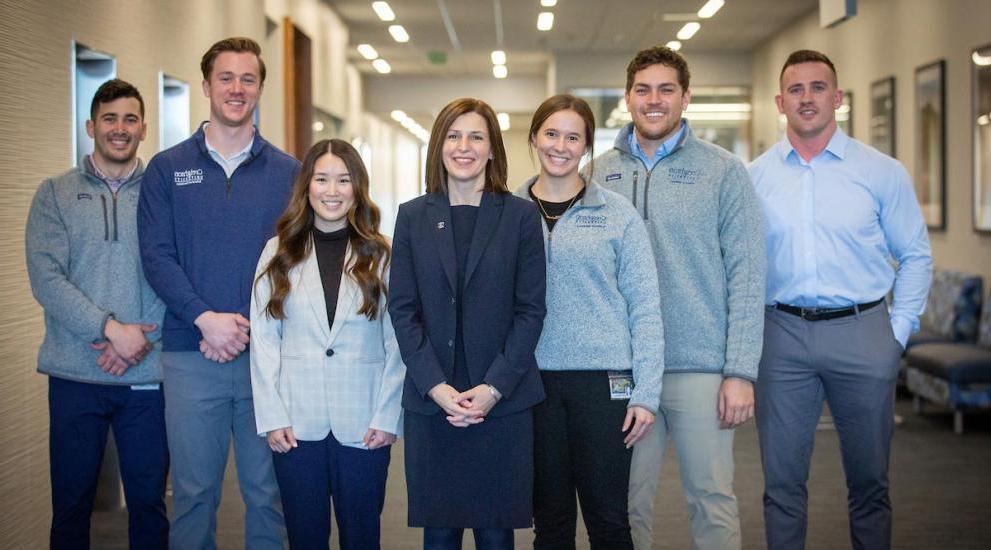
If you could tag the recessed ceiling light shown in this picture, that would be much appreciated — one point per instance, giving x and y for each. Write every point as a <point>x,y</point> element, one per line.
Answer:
<point>367,51</point>
<point>383,10</point>
<point>498,57</point>
<point>398,33</point>
<point>503,119</point>
<point>500,71</point>
<point>548,3</point>
<point>674,45</point>
<point>710,8</point>
<point>689,30</point>
<point>545,21</point>
<point>382,66</point>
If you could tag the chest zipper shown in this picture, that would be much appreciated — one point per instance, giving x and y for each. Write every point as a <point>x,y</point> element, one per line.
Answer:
<point>106,223</point>
<point>114,195</point>
<point>646,197</point>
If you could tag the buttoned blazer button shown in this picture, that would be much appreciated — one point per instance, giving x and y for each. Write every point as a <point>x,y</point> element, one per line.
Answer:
<point>450,343</point>
<point>330,352</point>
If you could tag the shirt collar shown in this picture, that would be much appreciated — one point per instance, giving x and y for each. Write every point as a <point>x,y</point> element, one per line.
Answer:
<point>837,145</point>
<point>242,153</point>
<point>665,149</point>
<point>95,170</point>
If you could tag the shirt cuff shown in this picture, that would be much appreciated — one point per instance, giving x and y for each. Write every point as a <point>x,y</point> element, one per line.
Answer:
<point>901,328</point>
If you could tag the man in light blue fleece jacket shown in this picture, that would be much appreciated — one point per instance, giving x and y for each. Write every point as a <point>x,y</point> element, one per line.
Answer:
<point>101,350</point>
<point>706,228</point>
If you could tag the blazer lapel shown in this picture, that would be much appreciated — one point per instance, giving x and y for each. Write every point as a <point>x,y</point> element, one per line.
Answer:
<point>347,295</point>
<point>313,287</point>
<point>443,236</point>
<point>489,211</point>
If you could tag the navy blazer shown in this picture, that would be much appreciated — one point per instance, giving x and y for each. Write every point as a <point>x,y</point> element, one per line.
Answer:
<point>503,299</point>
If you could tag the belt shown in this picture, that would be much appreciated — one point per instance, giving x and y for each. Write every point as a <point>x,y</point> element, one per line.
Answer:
<point>826,313</point>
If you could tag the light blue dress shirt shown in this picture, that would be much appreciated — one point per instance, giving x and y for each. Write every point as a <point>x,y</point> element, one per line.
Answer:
<point>664,150</point>
<point>837,224</point>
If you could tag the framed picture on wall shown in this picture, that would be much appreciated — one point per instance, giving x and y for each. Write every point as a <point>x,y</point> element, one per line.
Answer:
<point>930,142</point>
<point>981,116</point>
<point>883,115</point>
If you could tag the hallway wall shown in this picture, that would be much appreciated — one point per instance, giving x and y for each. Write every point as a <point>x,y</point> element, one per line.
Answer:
<point>893,37</point>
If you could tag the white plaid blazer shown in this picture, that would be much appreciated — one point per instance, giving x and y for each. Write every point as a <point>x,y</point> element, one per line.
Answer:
<point>295,380</point>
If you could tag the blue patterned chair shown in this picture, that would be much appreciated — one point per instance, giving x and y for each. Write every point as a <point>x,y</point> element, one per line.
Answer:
<point>952,309</point>
<point>953,374</point>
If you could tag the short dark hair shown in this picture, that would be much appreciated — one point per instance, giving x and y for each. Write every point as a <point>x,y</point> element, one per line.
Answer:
<point>495,168</point>
<point>807,56</point>
<point>237,44</point>
<point>112,90</point>
<point>658,55</point>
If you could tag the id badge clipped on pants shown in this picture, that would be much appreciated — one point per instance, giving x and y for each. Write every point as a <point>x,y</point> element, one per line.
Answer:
<point>620,384</point>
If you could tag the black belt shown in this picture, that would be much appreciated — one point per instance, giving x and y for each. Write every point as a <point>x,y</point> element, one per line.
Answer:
<point>826,313</point>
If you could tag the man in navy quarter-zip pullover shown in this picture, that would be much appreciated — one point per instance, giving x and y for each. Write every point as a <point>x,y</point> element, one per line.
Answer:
<point>101,329</point>
<point>705,225</point>
<point>208,206</point>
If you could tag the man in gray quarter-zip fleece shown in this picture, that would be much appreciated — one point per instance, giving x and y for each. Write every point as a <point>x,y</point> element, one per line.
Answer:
<point>101,350</point>
<point>705,225</point>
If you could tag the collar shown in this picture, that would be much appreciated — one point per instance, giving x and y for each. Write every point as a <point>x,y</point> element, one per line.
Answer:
<point>622,141</point>
<point>664,149</point>
<point>837,146</point>
<point>593,192</point>
<point>255,148</point>
<point>89,167</point>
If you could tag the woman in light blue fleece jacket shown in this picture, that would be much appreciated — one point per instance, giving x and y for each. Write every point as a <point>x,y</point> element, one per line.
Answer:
<point>601,352</point>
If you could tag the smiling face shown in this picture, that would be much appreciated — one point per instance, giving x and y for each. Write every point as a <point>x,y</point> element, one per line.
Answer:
<point>656,101</point>
<point>809,99</point>
<point>234,87</point>
<point>117,130</point>
<point>560,143</point>
<point>331,193</point>
<point>467,149</point>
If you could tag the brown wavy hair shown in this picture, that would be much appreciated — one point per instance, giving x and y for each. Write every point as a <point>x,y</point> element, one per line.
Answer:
<point>370,252</point>
<point>496,171</point>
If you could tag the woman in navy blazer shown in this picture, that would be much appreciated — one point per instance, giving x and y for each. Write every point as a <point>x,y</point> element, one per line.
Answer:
<point>467,304</point>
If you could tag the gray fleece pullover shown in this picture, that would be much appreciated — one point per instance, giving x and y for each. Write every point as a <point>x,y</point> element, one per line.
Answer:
<point>83,262</point>
<point>706,228</point>
<point>603,311</point>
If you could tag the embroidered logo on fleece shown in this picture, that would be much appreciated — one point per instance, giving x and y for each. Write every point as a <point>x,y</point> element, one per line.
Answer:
<point>585,220</point>
<point>684,175</point>
<point>613,177</point>
<point>188,177</point>
<point>82,196</point>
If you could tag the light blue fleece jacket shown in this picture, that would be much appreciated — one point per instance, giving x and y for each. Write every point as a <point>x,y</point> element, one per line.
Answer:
<point>603,310</point>
<point>707,230</point>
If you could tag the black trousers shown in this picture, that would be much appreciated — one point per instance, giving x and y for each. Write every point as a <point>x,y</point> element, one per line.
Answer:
<point>578,447</point>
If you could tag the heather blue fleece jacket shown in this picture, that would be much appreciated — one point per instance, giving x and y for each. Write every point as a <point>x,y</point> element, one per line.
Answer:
<point>603,303</point>
<point>707,229</point>
<point>201,233</point>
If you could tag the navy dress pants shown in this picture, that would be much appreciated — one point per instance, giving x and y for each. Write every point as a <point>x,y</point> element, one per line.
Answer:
<point>79,416</point>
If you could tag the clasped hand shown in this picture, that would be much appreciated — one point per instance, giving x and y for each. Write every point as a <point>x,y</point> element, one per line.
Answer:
<point>464,408</point>
<point>225,335</point>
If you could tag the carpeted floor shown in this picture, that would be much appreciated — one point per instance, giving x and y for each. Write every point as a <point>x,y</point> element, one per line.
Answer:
<point>941,494</point>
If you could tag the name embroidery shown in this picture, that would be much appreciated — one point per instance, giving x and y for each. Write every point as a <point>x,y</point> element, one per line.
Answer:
<point>188,177</point>
<point>612,177</point>
<point>82,196</point>
<point>684,175</point>
<point>586,220</point>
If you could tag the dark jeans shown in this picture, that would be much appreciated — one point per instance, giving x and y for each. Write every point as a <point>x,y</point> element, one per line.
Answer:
<point>578,446</point>
<point>449,538</point>
<point>852,363</point>
<point>79,416</point>
<point>316,471</point>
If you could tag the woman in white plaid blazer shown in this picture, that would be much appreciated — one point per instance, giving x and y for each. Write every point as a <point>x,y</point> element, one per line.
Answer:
<point>326,372</point>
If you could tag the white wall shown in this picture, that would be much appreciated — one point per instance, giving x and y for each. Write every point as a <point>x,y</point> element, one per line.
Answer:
<point>893,37</point>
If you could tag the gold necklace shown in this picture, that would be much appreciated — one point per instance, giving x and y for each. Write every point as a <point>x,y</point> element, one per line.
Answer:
<point>540,203</point>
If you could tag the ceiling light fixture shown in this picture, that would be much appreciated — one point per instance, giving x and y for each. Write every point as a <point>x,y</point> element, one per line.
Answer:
<point>545,21</point>
<point>382,66</point>
<point>710,8</point>
<point>398,115</point>
<point>503,119</point>
<point>674,45</point>
<point>498,57</point>
<point>383,10</point>
<point>689,30</point>
<point>500,71</point>
<point>367,51</point>
<point>398,33</point>
<point>548,3</point>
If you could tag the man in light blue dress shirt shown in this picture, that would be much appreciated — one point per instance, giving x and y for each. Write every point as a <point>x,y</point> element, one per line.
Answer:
<point>843,229</point>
